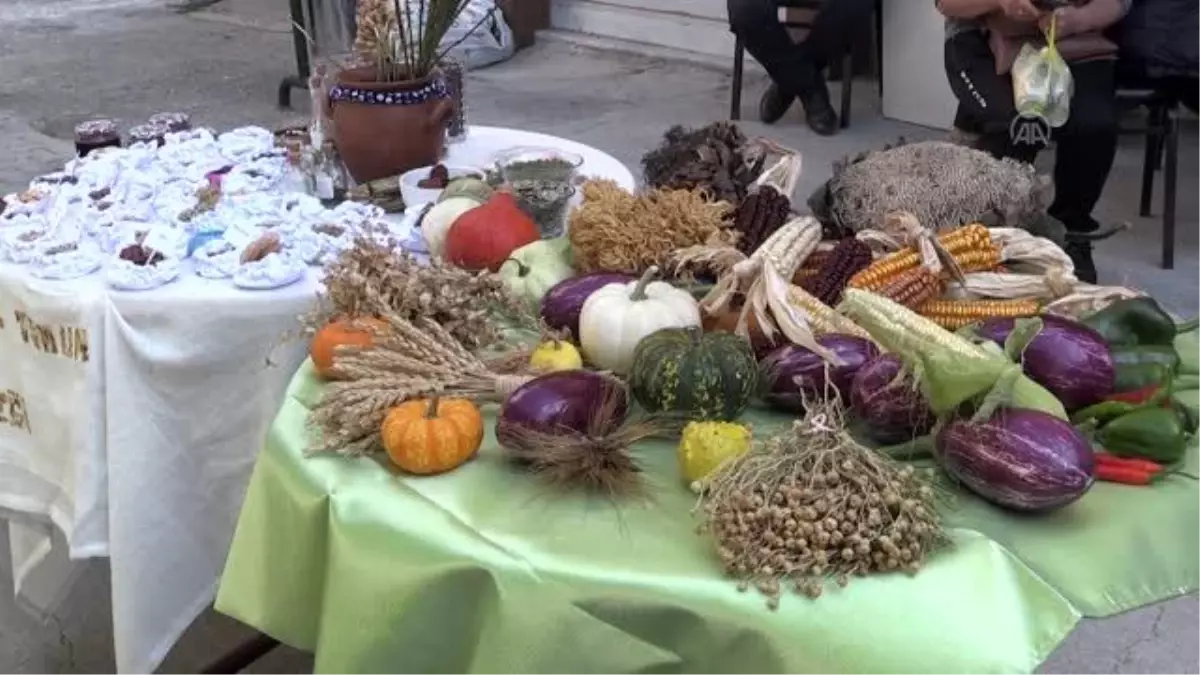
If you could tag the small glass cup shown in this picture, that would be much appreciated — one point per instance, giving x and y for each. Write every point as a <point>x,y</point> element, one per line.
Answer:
<point>533,163</point>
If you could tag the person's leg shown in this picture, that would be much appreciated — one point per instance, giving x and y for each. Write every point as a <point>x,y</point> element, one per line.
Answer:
<point>836,26</point>
<point>793,71</point>
<point>985,99</point>
<point>1086,146</point>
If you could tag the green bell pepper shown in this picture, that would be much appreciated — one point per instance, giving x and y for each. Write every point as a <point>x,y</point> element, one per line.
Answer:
<point>1137,321</point>
<point>1150,433</point>
<point>1187,418</point>
<point>1155,374</point>
<point>1137,367</point>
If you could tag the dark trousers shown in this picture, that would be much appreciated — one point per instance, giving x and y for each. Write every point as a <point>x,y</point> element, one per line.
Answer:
<point>1086,144</point>
<point>797,67</point>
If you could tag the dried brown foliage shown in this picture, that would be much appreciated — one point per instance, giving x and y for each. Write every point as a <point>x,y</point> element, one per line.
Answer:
<point>376,279</point>
<point>715,158</point>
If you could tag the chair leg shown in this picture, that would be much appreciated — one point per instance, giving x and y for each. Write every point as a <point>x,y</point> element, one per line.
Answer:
<point>1148,168</point>
<point>1170,175</point>
<point>739,59</point>
<point>1162,115</point>
<point>847,87</point>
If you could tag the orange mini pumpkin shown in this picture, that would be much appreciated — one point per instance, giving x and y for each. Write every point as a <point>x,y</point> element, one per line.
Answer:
<point>425,436</point>
<point>338,333</point>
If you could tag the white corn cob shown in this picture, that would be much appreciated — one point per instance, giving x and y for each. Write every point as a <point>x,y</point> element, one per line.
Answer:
<point>788,246</point>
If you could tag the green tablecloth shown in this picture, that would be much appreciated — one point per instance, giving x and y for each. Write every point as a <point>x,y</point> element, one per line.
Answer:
<point>480,570</point>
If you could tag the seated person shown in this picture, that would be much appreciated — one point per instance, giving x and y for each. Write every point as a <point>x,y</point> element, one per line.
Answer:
<point>1159,49</point>
<point>982,37</point>
<point>796,69</point>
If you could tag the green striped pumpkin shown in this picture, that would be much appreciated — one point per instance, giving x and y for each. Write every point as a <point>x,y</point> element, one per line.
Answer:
<point>703,376</point>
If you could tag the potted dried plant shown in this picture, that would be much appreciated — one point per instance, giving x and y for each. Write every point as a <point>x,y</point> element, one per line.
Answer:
<point>388,112</point>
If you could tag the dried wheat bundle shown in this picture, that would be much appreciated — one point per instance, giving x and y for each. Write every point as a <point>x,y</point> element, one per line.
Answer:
<point>409,359</point>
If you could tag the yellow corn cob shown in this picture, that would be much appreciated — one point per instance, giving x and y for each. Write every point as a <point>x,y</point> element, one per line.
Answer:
<point>954,314</point>
<point>822,317</point>
<point>912,288</point>
<point>788,246</point>
<point>963,244</point>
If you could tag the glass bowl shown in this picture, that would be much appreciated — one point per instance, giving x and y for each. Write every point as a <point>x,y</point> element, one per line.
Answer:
<point>539,164</point>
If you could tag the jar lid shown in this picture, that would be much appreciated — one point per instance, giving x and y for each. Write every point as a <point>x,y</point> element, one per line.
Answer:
<point>173,121</point>
<point>147,132</point>
<point>98,129</point>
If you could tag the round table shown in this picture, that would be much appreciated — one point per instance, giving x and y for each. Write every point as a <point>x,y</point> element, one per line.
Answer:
<point>130,423</point>
<point>482,569</point>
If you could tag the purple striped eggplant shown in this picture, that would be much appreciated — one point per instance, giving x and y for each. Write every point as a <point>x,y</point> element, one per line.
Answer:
<point>1066,357</point>
<point>1025,460</point>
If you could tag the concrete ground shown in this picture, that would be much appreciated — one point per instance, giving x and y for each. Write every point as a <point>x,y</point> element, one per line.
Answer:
<point>62,61</point>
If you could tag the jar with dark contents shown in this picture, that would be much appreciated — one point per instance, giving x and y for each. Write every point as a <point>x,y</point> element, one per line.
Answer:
<point>452,75</point>
<point>95,134</point>
<point>173,122</point>
<point>147,133</point>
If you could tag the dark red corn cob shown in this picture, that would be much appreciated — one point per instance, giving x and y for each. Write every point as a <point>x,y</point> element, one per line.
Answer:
<point>845,260</point>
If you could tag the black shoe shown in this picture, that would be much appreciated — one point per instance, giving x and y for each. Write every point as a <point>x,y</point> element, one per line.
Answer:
<point>1081,254</point>
<point>774,104</point>
<point>818,111</point>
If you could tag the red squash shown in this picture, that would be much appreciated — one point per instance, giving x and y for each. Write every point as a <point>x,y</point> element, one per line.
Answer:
<point>485,236</point>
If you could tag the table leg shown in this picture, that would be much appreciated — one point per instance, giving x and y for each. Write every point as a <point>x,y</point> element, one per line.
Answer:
<point>242,656</point>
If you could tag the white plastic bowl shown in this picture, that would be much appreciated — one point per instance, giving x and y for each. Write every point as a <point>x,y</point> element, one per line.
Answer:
<point>415,196</point>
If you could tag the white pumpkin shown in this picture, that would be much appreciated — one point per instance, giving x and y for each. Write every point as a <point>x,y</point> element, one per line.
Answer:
<point>437,221</point>
<point>615,318</point>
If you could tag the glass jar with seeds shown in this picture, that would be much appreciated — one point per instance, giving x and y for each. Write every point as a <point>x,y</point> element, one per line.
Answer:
<point>542,181</point>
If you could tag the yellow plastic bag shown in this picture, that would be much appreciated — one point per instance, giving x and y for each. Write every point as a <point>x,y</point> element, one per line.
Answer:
<point>1042,82</point>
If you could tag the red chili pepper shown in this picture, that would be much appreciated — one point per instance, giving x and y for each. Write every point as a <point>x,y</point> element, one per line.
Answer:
<point>1112,473</point>
<point>1129,462</point>
<point>1136,396</point>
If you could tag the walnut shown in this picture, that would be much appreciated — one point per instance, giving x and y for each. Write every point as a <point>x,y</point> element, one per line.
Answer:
<point>142,256</point>
<point>262,247</point>
<point>438,179</point>
<point>331,229</point>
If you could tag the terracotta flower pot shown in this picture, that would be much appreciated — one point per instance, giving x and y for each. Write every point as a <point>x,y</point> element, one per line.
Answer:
<point>383,129</point>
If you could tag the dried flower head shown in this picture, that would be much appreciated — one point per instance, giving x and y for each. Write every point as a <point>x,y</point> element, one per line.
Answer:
<point>375,279</point>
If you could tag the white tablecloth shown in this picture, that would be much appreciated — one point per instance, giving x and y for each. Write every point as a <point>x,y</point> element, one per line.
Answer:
<point>140,448</point>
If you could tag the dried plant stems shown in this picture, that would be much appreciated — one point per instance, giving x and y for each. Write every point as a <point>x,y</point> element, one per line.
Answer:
<point>410,359</point>
<point>617,231</point>
<point>595,460</point>
<point>403,42</point>
<point>373,279</point>
<point>813,503</point>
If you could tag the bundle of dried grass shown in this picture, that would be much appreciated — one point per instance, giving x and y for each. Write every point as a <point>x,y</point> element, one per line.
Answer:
<point>372,278</point>
<point>715,158</point>
<point>596,461</point>
<point>812,503</point>
<point>411,358</point>
<point>617,231</point>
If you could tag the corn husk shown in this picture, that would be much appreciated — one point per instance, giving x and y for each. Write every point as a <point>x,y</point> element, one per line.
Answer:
<point>1052,285</point>
<point>901,229</point>
<point>1088,299</point>
<point>784,173</point>
<point>1024,252</point>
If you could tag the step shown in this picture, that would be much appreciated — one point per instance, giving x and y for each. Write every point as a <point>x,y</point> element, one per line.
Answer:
<point>704,9</point>
<point>675,30</point>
